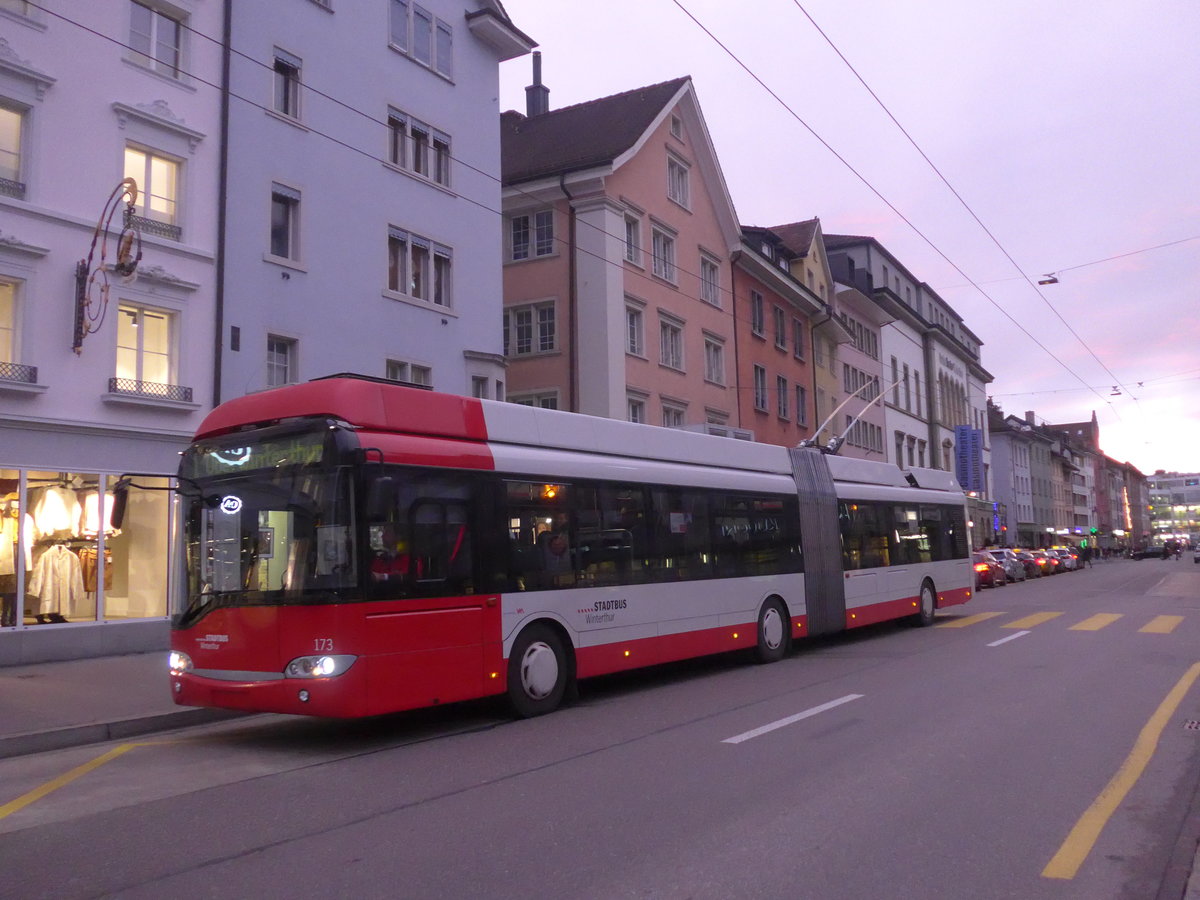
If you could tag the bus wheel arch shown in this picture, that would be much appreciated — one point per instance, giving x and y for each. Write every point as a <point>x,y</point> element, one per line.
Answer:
<point>541,669</point>
<point>926,604</point>
<point>774,630</point>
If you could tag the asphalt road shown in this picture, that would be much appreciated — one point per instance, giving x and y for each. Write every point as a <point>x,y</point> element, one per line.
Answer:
<point>1017,755</point>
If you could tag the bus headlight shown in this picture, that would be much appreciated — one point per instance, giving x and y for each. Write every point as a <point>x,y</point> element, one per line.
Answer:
<point>319,666</point>
<point>178,662</point>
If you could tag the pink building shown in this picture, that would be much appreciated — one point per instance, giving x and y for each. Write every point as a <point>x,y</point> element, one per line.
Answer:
<point>619,231</point>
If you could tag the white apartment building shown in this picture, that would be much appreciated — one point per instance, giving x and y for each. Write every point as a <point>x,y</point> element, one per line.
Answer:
<point>91,93</point>
<point>332,207</point>
<point>363,166</point>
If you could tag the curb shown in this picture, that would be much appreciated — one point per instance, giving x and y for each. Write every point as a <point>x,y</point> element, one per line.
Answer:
<point>78,735</point>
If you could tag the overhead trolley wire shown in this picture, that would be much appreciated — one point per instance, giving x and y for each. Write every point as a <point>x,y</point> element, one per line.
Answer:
<point>725,291</point>
<point>862,178</point>
<point>952,189</point>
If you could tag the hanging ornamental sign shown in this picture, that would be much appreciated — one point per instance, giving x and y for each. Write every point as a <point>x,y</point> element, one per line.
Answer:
<point>92,283</point>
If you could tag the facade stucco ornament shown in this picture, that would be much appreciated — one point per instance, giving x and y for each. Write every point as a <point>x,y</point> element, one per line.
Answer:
<point>159,114</point>
<point>13,243</point>
<point>12,64</point>
<point>160,276</point>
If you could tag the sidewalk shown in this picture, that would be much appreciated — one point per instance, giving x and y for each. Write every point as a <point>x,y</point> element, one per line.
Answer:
<point>84,701</point>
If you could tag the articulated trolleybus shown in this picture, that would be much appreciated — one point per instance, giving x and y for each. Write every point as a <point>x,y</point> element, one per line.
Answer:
<point>356,547</point>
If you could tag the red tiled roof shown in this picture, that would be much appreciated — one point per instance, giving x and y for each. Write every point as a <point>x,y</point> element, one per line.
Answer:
<point>798,236</point>
<point>578,137</point>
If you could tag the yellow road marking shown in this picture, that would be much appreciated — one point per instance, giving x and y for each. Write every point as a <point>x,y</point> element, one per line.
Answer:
<point>1083,836</point>
<point>67,777</point>
<point>1096,622</point>
<point>968,620</point>
<point>1161,625</point>
<point>1035,619</point>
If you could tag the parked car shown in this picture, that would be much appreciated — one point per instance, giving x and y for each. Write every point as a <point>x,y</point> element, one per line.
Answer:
<point>988,572</point>
<point>1032,568</point>
<point>1069,562</point>
<point>1014,569</point>
<point>1196,554</point>
<point>1051,564</point>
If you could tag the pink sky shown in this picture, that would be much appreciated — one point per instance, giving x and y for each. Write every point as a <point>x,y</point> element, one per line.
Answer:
<point>1069,128</point>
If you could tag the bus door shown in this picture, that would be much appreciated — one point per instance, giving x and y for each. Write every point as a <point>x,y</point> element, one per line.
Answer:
<point>424,629</point>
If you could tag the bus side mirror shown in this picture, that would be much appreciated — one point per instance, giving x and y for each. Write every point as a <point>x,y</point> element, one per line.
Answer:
<point>381,498</point>
<point>119,502</point>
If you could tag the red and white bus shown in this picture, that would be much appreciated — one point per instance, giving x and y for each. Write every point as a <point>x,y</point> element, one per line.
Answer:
<point>357,547</point>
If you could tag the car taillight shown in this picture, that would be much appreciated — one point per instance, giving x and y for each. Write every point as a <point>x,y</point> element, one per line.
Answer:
<point>981,567</point>
<point>1040,562</point>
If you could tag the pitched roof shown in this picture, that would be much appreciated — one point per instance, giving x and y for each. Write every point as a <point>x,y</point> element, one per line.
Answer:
<point>581,136</point>
<point>798,236</point>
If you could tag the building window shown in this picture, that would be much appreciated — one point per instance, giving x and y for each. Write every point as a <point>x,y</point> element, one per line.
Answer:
<point>672,416</point>
<point>8,322</point>
<point>542,400</point>
<point>285,222</point>
<point>780,327</point>
<point>418,148</point>
<point>12,125</point>
<point>714,360</point>
<point>287,84</point>
<point>143,345</point>
<point>801,405</point>
<point>411,373</point>
<point>529,329</point>
<point>899,449</point>
<point>156,39</point>
<point>281,361</point>
<point>670,344</point>
<point>758,324</point>
<point>760,388</point>
<point>907,390</point>
<point>781,396</point>
<point>532,235</point>
<point>635,331</point>
<point>421,36</point>
<point>710,281</point>
<point>664,255</point>
<point>917,385</point>
<point>157,178</point>
<point>635,409</point>
<point>419,268</point>
<point>633,239</point>
<point>677,181</point>
<point>479,386</point>
<point>676,127</point>
<point>798,338</point>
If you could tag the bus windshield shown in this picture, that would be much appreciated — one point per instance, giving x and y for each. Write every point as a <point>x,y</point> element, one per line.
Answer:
<point>267,520</point>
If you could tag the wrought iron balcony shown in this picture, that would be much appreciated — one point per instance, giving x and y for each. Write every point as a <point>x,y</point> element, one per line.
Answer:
<point>149,389</point>
<point>161,229</point>
<point>18,372</point>
<point>10,188</point>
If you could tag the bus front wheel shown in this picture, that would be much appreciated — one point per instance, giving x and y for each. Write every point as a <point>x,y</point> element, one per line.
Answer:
<point>928,605</point>
<point>774,629</point>
<point>538,671</point>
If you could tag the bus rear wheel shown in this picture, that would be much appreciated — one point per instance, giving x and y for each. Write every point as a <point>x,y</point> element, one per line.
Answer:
<point>774,629</point>
<point>538,672</point>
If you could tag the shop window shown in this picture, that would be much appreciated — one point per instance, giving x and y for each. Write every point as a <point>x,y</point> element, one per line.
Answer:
<point>62,561</point>
<point>16,535</point>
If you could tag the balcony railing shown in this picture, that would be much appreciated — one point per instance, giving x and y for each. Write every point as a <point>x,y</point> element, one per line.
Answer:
<point>10,188</point>
<point>149,389</point>
<point>18,372</point>
<point>153,226</point>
